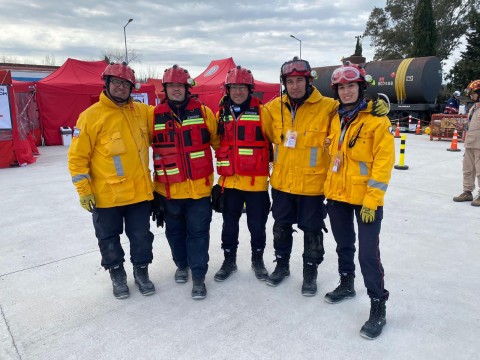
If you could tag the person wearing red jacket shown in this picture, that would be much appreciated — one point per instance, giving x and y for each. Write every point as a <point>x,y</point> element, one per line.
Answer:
<point>243,165</point>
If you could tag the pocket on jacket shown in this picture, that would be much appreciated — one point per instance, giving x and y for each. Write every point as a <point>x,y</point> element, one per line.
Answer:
<point>358,189</point>
<point>314,138</point>
<point>113,144</point>
<point>122,188</point>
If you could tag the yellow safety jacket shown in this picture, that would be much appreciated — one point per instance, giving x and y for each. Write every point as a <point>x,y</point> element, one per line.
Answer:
<point>244,152</point>
<point>302,168</point>
<point>189,187</point>
<point>108,156</point>
<point>367,155</point>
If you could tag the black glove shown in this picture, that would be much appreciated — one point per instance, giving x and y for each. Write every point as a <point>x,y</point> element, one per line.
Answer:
<point>156,210</point>
<point>217,198</point>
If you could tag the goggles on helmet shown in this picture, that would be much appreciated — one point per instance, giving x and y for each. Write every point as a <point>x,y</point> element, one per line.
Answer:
<point>296,67</point>
<point>347,74</point>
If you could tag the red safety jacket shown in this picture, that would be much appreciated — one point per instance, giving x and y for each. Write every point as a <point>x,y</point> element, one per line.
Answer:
<point>181,149</point>
<point>244,149</point>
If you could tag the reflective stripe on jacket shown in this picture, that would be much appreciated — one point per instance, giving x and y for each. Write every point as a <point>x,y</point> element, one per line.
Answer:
<point>109,153</point>
<point>244,154</point>
<point>368,156</point>
<point>182,156</point>
<point>302,169</point>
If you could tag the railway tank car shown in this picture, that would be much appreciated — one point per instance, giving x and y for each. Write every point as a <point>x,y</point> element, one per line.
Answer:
<point>412,85</point>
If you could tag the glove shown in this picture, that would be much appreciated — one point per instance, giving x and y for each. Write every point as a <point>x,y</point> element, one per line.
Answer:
<point>217,198</point>
<point>156,210</point>
<point>88,202</point>
<point>368,215</point>
<point>380,107</point>
<point>326,144</point>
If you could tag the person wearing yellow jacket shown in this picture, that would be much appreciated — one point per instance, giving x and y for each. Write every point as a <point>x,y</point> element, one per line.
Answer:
<point>243,160</point>
<point>184,131</point>
<point>362,156</point>
<point>108,162</point>
<point>301,121</point>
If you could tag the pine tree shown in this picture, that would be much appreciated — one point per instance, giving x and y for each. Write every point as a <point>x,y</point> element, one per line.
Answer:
<point>424,30</point>
<point>468,67</point>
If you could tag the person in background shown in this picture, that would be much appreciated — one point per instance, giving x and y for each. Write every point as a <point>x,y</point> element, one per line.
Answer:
<point>243,165</point>
<point>301,121</point>
<point>183,132</point>
<point>362,153</point>
<point>108,162</point>
<point>471,158</point>
<point>453,103</point>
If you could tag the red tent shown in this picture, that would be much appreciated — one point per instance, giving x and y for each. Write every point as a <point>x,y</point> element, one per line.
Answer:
<point>15,148</point>
<point>158,88</point>
<point>27,112</point>
<point>64,94</point>
<point>210,90</point>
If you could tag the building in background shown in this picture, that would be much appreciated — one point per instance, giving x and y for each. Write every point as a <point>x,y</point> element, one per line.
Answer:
<point>28,72</point>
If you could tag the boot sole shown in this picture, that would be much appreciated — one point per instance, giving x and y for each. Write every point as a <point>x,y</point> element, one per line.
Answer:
<point>145,292</point>
<point>339,301</point>
<point>307,294</point>
<point>121,296</point>
<point>275,285</point>
<point>217,279</point>
<point>261,277</point>
<point>181,281</point>
<point>369,337</point>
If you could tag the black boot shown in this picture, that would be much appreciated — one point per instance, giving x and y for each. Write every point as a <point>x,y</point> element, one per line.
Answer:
<point>258,265</point>
<point>374,325</point>
<point>309,286</point>
<point>119,281</point>
<point>181,275</point>
<point>282,270</point>
<point>229,265</point>
<point>199,290</point>
<point>140,273</point>
<point>343,291</point>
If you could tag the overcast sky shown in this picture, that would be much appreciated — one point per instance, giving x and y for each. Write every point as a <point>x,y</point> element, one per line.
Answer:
<point>191,33</point>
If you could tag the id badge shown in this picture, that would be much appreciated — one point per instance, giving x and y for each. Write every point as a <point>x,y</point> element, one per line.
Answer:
<point>337,162</point>
<point>291,139</point>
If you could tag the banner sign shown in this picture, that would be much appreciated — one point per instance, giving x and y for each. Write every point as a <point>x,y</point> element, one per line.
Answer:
<point>5,117</point>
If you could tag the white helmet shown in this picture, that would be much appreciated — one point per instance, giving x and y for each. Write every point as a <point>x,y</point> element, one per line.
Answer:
<point>456,93</point>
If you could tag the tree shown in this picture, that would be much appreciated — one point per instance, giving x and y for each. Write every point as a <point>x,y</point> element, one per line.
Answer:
<point>391,28</point>
<point>424,30</point>
<point>468,67</point>
<point>118,55</point>
<point>48,60</point>
<point>358,46</point>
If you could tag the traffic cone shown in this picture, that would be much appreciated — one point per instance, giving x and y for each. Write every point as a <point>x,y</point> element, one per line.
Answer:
<point>397,130</point>
<point>453,146</point>
<point>418,130</point>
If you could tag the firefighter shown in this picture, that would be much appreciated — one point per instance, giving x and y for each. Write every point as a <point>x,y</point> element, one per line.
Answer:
<point>108,162</point>
<point>363,153</point>
<point>184,130</point>
<point>471,159</point>
<point>301,121</point>
<point>243,165</point>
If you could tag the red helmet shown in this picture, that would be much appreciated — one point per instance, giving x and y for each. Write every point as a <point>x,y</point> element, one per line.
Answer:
<point>297,67</point>
<point>349,73</point>
<point>122,71</point>
<point>239,75</point>
<point>474,86</point>
<point>179,75</point>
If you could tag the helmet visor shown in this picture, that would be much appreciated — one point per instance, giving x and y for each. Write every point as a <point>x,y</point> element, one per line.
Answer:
<point>346,73</point>
<point>295,66</point>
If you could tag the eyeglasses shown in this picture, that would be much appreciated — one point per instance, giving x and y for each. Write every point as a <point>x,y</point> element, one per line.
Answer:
<point>118,82</point>
<point>238,87</point>
<point>347,73</point>
<point>295,65</point>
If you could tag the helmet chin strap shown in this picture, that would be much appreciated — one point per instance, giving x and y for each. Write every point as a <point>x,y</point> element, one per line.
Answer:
<point>117,99</point>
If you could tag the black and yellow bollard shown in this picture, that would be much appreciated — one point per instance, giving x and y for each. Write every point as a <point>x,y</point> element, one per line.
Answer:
<point>401,163</point>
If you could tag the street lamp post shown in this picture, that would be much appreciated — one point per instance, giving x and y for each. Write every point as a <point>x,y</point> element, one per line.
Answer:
<point>125,37</point>
<point>300,44</point>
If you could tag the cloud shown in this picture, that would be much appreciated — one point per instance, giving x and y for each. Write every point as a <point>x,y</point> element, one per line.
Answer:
<point>191,33</point>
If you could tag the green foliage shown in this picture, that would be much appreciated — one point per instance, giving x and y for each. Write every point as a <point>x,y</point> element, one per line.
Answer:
<point>424,30</point>
<point>391,28</point>
<point>468,67</point>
